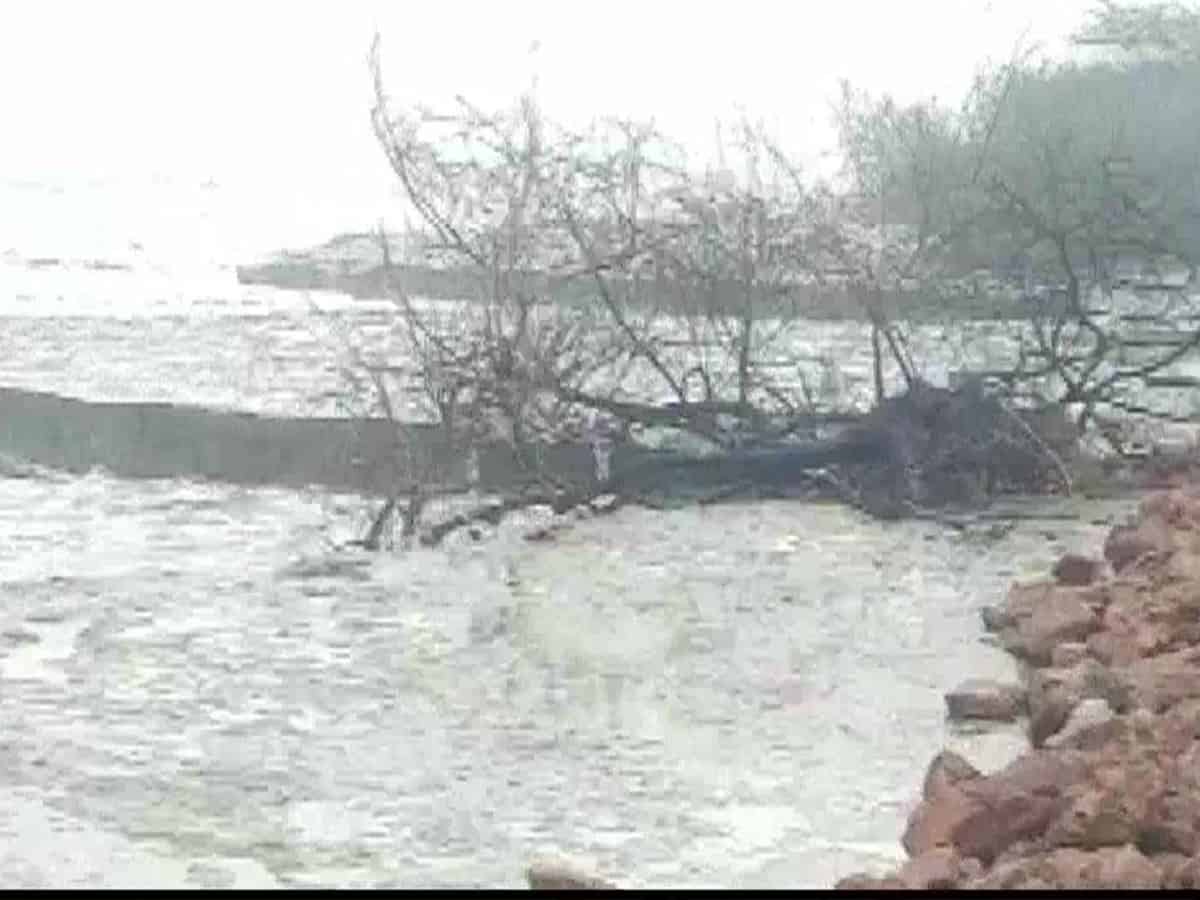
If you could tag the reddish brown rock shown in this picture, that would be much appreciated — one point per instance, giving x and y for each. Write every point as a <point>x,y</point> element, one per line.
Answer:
<point>1089,726</point>
<point>1178,510</point>
<point>1065,615</point>
<point>1049,716</point>
<point>1016,803</point>
<point>1172,823</point>
<point>1076,570</point>
<point>1162,681</point>
<point>1110,796</point>
<point>1180,872</point>
<point>933,823</point>
<point>1127,544</point>
<point>968,869</point>
<point>1098,817</point>
<point>1183,567</point>
<point>947,769</point>
<point>1125,868</point>
<point>979,698</point>
<point>1068,654</point>
<point>1022,600</point>
<point>988,832</point>
<point>1039,616</point>
<point>1148,618</point>
<point>933,870</point>
<point>1070,869</point>
<point>1112,648</point>
<point>1008,876</point>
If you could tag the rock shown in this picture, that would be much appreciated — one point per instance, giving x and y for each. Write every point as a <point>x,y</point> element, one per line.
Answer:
<point>947,769</point>
<point>1112,648</point>
<point>1096,818</point>
<point>1051,715</point>
<point>1064,615</point>
<point>1176,509</point>
<point>560,875</point>
<point>1068,868</point>
<point>1172,822</point>
<point>933,823</point>
<point>996,618</point>
<point>1109,796</point>
<point>969,868</point>
<point>1125,868</point>
<point>935,869</point>
<point>1010,875</point>
<point>1180,872</point>
<point>1022,600</point>
<point>1040,615</point>
<point>1128,543</point>
<point>1162,681</point>
<point>989,831</point>
<point>1084,720</point>
<point>1068,654</point>
<point>1015,804</point>
<point>984,699</point>
<point>1113,685</point>
<point>1137,623</point>
<point>863,882</point>
<point>1108,868</point>
<point>1184,567</point>
<point>1042,772</point>
<point>1076,570</point>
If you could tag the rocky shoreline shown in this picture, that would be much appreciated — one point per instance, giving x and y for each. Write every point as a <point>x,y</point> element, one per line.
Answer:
<point>1108,795</point>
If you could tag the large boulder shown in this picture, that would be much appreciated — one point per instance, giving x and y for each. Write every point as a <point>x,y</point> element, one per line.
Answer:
<point>1038,617</point>
<point>1160,682</point>
<point>1126,544</point>
<point>1075,570</point>
<point>982,816</point>
<point>1069,868</point>
<point>936,869</point>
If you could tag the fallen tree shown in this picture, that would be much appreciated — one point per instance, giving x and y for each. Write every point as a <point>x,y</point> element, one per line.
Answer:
<point>525,206</point>
<point>918,454</point>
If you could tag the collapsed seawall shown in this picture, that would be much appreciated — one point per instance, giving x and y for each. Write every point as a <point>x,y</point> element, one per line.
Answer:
<point>365,456</point>
<point>166,440</point>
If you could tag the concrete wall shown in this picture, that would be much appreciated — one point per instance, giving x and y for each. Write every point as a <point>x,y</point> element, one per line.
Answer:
<point>160,440</point>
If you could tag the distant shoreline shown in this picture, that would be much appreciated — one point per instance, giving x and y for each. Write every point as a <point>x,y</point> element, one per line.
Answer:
<point>352,264</point>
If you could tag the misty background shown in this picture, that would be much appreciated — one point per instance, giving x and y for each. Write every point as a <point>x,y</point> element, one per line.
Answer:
<point>269,101</point>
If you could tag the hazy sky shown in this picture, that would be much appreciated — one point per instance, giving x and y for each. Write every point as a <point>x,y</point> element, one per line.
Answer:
<point>276,94</point>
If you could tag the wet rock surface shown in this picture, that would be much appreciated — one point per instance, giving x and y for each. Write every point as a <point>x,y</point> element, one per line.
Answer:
<point>979,698</point>
<point>563,875</point>
<point>1076,570</point>
<point>1108,796</point>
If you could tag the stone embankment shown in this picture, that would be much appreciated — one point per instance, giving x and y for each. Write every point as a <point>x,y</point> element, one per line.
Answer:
<point>1108,795</point>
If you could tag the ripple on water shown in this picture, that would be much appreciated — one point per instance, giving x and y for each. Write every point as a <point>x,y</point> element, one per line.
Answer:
<point>735,696</point>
